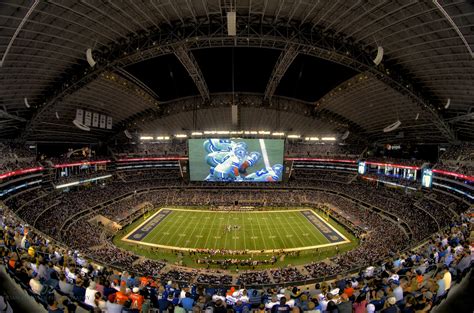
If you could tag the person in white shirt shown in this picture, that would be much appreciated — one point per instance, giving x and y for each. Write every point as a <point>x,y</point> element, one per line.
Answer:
<point>90,294</point>
<point>64,286</point>
<point>35,284</point>
<point>447,278</point>
<point>397,291</point>
<point>273,301</point>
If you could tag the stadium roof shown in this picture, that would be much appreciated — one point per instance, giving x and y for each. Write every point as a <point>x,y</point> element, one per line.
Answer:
<point>165,66</point>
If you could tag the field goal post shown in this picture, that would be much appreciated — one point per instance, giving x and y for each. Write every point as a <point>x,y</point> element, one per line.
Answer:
<point>327,212</point>
<point>146,208</point>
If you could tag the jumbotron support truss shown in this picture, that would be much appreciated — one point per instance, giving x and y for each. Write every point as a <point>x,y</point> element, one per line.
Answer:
<point>283,63</point>
<point>187,59</point>
<point>212,32</point>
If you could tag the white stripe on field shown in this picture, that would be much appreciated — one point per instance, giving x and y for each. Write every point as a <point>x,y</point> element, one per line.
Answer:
<point>264,153</point>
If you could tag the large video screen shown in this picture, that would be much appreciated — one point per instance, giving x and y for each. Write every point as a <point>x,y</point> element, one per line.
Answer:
<point>236,160</point>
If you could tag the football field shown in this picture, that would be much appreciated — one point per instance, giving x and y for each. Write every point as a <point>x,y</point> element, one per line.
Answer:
<point>256,231</point>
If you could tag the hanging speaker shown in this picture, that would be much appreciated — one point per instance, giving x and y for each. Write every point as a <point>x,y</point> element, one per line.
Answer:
<point>81,126</point>
<point>392,127</point>
<point>448,103</point>
<point>127,134</point>
<point>26,102</point>
<point>89,57</point>
<point>231,24</point>
<point>345,135</point>
<point>379,56</point>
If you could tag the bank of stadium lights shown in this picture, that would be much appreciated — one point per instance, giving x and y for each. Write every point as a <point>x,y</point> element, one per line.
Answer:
<point>146,138</point>
<point>238,132</point>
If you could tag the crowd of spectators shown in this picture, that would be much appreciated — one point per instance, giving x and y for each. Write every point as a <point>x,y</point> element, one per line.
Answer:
<point>80,234</point>
<point>252,278</point>
<point>305,174</point>
<point>149,174</point>
<point>17,200</point>
<point>155,149</point>
<point>47,212</point>
<point>409,281</point>
<point>15,156</point>
<point>456,166</point>
<point>386,159</point>
<point>320,150</point>
<point>462,152</point>
<point>288,274</point>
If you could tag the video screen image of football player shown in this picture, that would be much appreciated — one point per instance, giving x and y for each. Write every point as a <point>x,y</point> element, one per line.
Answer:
<point>224,165</point>
<point>229,161</point>
<point>217,145</point>
<point>270,174</point>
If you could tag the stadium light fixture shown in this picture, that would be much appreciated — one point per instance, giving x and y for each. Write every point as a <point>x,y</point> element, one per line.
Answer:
<point>278,134</point>
<point>209,132</point>
<point>196,134</point>
<point>293,136</point>
<point>236,132</point>
<point>162,138</point>
<point>146,137</point>
<point>328,138</point>
<point>222,132</point>
<point>312,138</point>
<point>181,136</point>
<point>264,132</point>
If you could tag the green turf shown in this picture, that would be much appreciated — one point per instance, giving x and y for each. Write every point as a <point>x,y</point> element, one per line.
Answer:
<point>189,260</point>
<point>257,231</point>
<point>199,169</point>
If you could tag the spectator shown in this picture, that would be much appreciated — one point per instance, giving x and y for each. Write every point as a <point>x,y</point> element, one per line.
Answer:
<point>35,284</point>
<point>90,294</point>
<point>282,307</point>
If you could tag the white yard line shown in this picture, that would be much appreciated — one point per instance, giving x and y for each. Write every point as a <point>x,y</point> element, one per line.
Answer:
<point>274,229</point>
<point>171,237</point>
<point>264,153</point>
<point>226,233</point>
<point>253,234</point>
<point>261,233</point>
<point>295,233</point>
<point>192,233</point>
<point>209,234</point>
<point>243,232</point>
